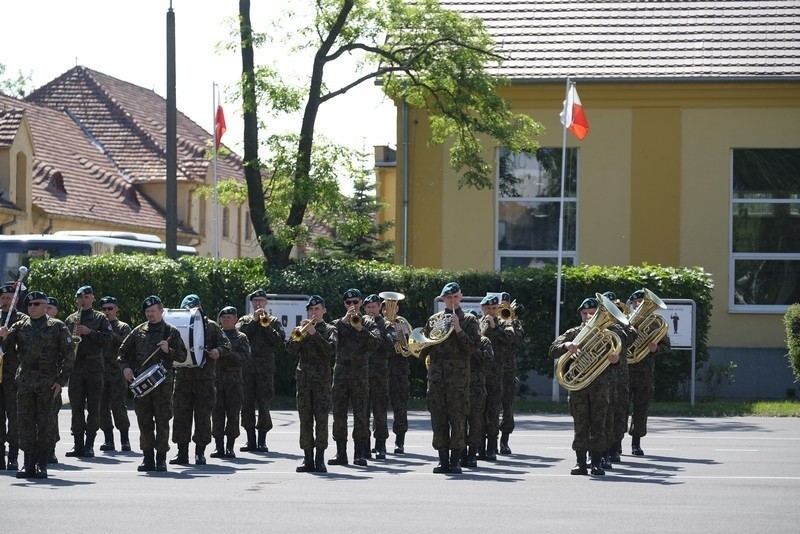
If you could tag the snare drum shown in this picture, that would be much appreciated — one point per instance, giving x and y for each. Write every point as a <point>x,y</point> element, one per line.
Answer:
<point>148,380</point>
<point>192,327</point>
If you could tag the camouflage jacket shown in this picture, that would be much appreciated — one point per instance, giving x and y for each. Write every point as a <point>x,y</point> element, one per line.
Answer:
<point>43,350</point>
<point>143,341</point>
<point>314,353</point>
<point>264,341</point>
<point>230,366</point>
<point>353,347</point>
<point>93,345</point>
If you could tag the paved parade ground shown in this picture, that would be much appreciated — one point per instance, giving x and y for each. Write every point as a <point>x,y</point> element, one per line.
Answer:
<point>739,474</point>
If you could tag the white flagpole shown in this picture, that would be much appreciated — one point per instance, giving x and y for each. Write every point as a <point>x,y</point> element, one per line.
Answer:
<point>567,114</point>
<point>214,104</point>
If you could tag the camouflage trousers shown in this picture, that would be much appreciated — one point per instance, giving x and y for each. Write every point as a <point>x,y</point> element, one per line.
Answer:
<point>57,404</point>
<point>476,420</point>
<point>225,416</point>
<point>112,401</point>
<point>494,403</point>
<point>313,405</point>
<point>379,406</point>
<point>153,413</point>
<point>346,393</point>
<point>194,399</point>
<point>589,408</point>
<point>509,393</point>
<point>398,399</point>
<point>8,411</point>
<point>641,397</point>
<point>35,403</point>
<point>617,418</point>
<point>448,404</point>
<point>85,389</point>
<point>258,392</point>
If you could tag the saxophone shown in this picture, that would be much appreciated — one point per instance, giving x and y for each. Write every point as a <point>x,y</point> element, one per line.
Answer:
<point>576,371</point>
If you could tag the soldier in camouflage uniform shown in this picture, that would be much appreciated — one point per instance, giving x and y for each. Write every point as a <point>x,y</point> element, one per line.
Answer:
<point>314,344</point>
<point>448,378</point>
<point>588,406</point>
<point>357,337</point>
<point>42,346</point>
<point>115,389</point>
<point>159,339</point>
<point>399,390</point>
<point>379,376</point>
<point>641,376</point>
<point>8,386</point>
<point>508,354</point>
<point>195,392</point>
<point>225,417</point>
<point>86,381</point>
<point>51,310</point>
<point>259,372</point>
<point>482,357</point>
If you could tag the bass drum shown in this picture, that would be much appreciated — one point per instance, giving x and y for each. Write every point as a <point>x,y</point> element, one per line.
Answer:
<point>192,326</point>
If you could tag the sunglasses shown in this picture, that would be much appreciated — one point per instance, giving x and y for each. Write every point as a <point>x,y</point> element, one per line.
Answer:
<point>108,308</point>
<point>352,302</point>
<point>35,304</point>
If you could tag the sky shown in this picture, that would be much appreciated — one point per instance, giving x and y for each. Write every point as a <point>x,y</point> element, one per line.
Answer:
<point>127,40</point>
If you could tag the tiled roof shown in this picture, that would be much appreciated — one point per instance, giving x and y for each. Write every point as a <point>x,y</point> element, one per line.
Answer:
<point>73,179</point>
<point>129,124</point>
<point>10,120</point>
<point>642,40</point>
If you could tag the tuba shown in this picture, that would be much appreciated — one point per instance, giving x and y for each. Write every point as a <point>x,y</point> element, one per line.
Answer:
<point>440,329</point>
<point>576,371</point>
<point>390,300</point>
<point>650,325</point>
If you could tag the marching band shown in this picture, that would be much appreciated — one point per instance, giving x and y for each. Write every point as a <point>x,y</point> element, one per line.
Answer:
<point>180,364</point>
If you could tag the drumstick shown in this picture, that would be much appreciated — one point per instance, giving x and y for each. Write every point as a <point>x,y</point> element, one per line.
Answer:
<point>148,359</point>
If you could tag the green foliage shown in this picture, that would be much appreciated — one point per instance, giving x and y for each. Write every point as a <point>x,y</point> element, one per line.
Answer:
<point>17,86</point>
<point>792,323</point>
<point>714,375</point>
<point>131,278</point>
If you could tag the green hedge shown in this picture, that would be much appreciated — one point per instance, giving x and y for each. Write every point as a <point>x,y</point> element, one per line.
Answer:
<point>131,278</point>
<point>792,323</point>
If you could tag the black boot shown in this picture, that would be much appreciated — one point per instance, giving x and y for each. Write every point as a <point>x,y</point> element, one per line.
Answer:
<point>182,458</point>
<point>636,448</point>
<point>161,460</point>
<point>400,443</point>
<point>359,453</point>
<point>52,458</point>
<point>199,454</point>
<point>220,451</point>
<point>41,470</point>
<point>251,441</point>
<point>13,454</point>
<point>229,450</point>
<point>149,462</point>
<point>262,441</point>
<point>580,466</point>
<point>308,462</point>
<point>77,450</point>
<point>28,466</point>
<point>455,462</point>
<point>124,441</point>
<point>444,462</point>
<point>472,458</point>
<point>613,452</point>
<point>597,459</point>
<point>504,449</point>
<point>341,454</point>
<point>88,448</point>
<point>319,461</point>
<point>605,462</point>
<point>2,457</point>
<point>108,444</point>
<point>491,451</point>
<point>380,449</point>
<point>481,450</point>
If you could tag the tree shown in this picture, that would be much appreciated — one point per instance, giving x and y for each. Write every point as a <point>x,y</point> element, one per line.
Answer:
<point>423,54</point>
<point>17,87</point>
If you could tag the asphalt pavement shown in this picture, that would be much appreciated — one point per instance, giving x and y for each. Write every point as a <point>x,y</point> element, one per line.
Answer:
<point>738,474</point>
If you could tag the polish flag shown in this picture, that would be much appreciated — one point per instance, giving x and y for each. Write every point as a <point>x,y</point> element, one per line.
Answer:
<point>219,125</point>
<point>573,116</point>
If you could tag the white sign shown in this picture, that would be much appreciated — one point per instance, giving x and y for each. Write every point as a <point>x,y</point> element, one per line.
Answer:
<point>467,304</point>
<point>290,309</point>
<point>679,320</point>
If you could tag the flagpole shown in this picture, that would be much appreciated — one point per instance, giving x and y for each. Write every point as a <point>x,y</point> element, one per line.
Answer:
<point>567,113</point>
<point>216,193</point>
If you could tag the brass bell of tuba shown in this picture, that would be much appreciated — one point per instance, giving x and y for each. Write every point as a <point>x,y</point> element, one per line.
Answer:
<point>650,325</point>
<point>390,300</point>
<point>577,371</point>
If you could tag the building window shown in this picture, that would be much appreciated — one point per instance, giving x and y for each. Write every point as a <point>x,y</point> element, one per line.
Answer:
<point>248,226</point>
<point>765,230</point>
<point>226,222</point>
<point>528,205</point>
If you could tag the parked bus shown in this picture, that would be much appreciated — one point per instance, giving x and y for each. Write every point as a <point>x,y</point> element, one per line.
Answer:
<point>17,250</point>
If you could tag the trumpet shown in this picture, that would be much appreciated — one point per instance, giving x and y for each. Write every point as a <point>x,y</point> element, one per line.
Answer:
<point>507,311</point>
<point>266,319</point>
<point>300,332</point>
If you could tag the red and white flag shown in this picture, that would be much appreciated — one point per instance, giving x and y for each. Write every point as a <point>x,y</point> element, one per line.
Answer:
<point>573,116</point>
<point>219,125</point>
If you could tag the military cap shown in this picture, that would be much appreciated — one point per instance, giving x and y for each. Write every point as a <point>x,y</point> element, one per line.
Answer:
<point>505,297</point>
<point>108,299</point>
<point>314,300</point>
<point>84,290</point>
<point>588,304</point>
<point>227,310</point>
<point>450,288</point>
<point>34,295</point>
<point>7,288</point>
<point>490,300</point>
<point>52,301</point>
<point>152,300</point>
<point>610,295</point>
<point>372,298</point>
<point>258,293</point>
<point>636,295</point>
<point>351,294</point>
<point>190,301</point>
